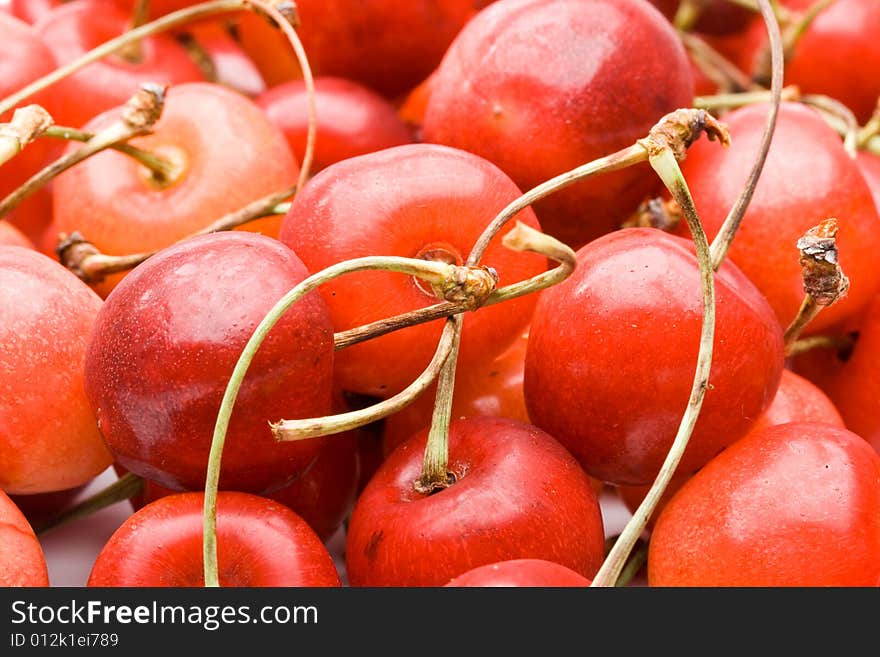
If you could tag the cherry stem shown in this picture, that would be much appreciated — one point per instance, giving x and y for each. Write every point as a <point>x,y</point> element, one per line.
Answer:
<point>138,115</point>
<point>124,488</point>
<point>839,343</point>
<point>636,561</point>
<point>27,124</point>
<point>835,111</point>
<point>688,13</point>
<point>113,45</point>
<point>520,238</point>
<point>824,280</point>
<point>665,164</point>
<point>162,170</point>
<point>720,102</point>
<point>286,18</point>
<point>795,28</point>
<point>871,129</point>
<point>133,51</point>
<point>435,273</point>
<point>80,256</point>
<point>515,239</point>
<point>714,65</point>
<point>199,56</point>
<point>724,239</point>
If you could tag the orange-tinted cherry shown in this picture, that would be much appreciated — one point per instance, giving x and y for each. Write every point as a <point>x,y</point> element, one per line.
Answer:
<point>519,573</point>
<point>22,562</point>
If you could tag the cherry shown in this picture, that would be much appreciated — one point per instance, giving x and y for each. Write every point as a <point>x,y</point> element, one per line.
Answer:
<point>611,354</point>
<point>352,119</point>
<point>50,440</point>
<point>796,400</point>
<point>520,572</point>
<point>31,11</point>
<point>717,17</point>
<point>418,200</point>
<point>797,504</point>
<point>22,562</point>
<point>260,543</point>
<point>215,138</point>
<point>75,27</point>
<point>517,493</point>
<point>198,302</point>
<point>40,507</point>
<point>808,177</point>
<point>229,63</point>
<point>514,88</point>
<point>24,58</point>
<point>869,165</point>
<point>838,56</point>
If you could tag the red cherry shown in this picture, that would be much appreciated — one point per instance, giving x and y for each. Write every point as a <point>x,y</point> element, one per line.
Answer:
<point>418,201</point>
<point>839,56</point>
<point>541,87</point>
<point>76,27</point>
<point>259,543</point>
<point>520,572</point>
<point>717,17</point>
<point>22,562</point>
<point>49,440</point>
<point>797,504</point>
<point>220,140</point>
<point>612,350</point>
<point>197,303</point>
<point>869,165</point>
<point>231,65</point>
<point>796,400</point>
<point>518,494</point>
<point>31,11</point>
<point>808,177</point>
<point>351,119</point>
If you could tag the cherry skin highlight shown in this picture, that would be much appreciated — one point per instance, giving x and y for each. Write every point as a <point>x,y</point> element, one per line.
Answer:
<point>807,178</point>
<point>540,88</point>
<point>49,440</point>
<point>416,201</point>
<point>22,562</point>
<point>196,304</point>
<point>519,573</point>
<point>612,350</point>
<point>259,543</point>
<point>517,494</point>
<point>797,504</point>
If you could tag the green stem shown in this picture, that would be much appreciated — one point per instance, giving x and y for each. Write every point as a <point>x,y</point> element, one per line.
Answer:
<point>634,564</point>
<point>724,239</point>
<point>666,166</point>
<point>124,488</point>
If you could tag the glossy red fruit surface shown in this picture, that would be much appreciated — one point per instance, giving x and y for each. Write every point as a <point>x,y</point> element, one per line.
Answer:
<point>259,543</point>
<point>12,236</point>
<point>519,573</point>
<point>22,562</point>
<point>197,303</point>
<point>418,200</point>
<point>795,505</point>
<point>74,28</point>
<point>351,119</point>
<point>541,87</point>
<point>869,165</point>
<point>49,440</point>
<point>807,178</point>
<point>612,350</point>
<point>518,494</point>
<point>219,140</point>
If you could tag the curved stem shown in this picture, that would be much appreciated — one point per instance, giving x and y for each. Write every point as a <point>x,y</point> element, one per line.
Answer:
<point>718,102</point>
<point>284,22</point>
<point>112,46</point>
<point>162,169</point>
<point>714,65</point>
<point>434,272</point>
<point>688,13</point>
<point>871,129</point>
<point>124,488</point>
<point>637,559</point>
<point>724,239</point>
<point>831,107</point>
<point>840,343</point>
<point>666,166</point>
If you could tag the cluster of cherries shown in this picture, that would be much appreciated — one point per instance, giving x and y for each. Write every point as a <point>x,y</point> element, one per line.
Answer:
<point>331,178</point>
